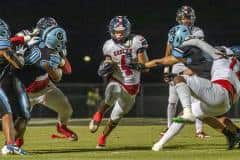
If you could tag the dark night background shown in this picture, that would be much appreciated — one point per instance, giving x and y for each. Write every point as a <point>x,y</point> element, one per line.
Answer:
<point>86,24</point>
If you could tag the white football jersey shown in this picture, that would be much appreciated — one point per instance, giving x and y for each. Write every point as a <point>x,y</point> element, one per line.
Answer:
<point>180,67</point>
<point>221,70</point>
<point>117,51</point>
<point>197,32</point>
<point>221,67</point>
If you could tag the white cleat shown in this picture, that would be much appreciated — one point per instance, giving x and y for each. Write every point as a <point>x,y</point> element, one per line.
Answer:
<point>100,146</point>
<point>12,149</point>
<point>93,126</point>
<point>186,117</point>
<point>157,147</point>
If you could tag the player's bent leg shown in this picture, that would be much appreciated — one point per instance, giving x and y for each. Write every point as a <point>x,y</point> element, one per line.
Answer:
<point>57,101</point>
<point>199,130</point>
<point>97,117</point>
<point>196,110</point>
<point>121,107</point>
<point>173,130</point>
<point>228,124</point>
<point>22,113</point>
<point>172,107</point>
<point>184,95</point>
<point>112,92</point>
<point>107,130</point>
<point>9,133</point>
<point>232,138</point>
<point>20,127</point>
<point>8,128</point>
<point>115,117</point>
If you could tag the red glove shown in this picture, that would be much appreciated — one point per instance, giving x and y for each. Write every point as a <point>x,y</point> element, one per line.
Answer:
<point>67,68</point>
<point>17,40</point>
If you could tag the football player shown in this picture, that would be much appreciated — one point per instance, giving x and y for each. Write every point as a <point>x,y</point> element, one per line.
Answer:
<point>8,59</point>
<point>42,90</point>
<point>185,16</point>
<point>124,83</point>
<point>215,96</point>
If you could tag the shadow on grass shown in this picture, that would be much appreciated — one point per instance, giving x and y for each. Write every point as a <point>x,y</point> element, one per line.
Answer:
<point>131,148</point>
<point>186,147</point>
<point>72,150</point>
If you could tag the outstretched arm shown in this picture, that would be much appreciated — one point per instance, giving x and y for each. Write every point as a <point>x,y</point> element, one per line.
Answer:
<point>16,60</point>
<point>143,58</point>
<point>168,60</point>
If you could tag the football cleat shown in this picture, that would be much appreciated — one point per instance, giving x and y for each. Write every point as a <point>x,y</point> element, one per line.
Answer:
<point>101,142</point>
<point>186,117</point>
<point>95,122</point>
<point>157,147</point>
<point>12,149</point>
<point>64,130</point>
<point>232,141</point>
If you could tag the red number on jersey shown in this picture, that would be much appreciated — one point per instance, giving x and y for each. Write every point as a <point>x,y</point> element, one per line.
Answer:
<point>127,70</point>
<point>232,65</point>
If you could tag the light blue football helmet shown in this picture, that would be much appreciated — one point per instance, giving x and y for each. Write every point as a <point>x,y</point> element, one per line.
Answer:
<point>178,34</point>
<point>55,38</point>
<point>236,51</point>
<point>4,35</point>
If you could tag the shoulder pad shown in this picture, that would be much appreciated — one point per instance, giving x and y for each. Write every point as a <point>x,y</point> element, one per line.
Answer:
<point>198,32</point>
<point>107,47</point>
<point>141,41</point>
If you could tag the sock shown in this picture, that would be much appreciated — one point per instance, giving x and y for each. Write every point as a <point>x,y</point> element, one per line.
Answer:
<point>171,112</point>
<point>171,132</point>
<point>226,132</point>
<point>184,94</point>
<point>198,126</point>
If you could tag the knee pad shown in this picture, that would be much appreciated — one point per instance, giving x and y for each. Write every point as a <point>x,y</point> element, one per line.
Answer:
<point>113,90</point>
<point>178,79</point>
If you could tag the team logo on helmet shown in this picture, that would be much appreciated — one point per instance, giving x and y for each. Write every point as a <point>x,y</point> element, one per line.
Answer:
<point>59,36</point>
<point>178,34</point>
<point>55,37</point>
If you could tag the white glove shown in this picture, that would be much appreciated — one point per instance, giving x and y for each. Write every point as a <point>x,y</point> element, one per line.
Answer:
<point>33,40</point>
<point>20,50</point>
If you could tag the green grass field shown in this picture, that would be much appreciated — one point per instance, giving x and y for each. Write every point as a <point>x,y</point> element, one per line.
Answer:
<point>127,142</point>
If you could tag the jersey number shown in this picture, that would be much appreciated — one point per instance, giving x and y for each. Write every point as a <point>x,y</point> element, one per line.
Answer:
<point>126,70</point>
<point>232,65</point>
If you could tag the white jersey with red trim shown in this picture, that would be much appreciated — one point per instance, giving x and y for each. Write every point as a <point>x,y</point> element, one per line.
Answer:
<point>117,51</point>
<point>222,70</point>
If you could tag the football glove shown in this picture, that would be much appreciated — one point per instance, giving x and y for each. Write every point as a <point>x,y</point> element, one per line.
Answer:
<point>105,68</point>
<point>55,61</point>
<point>136,66</point>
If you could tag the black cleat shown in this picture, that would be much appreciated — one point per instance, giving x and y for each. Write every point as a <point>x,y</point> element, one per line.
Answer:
<point>232,139</point>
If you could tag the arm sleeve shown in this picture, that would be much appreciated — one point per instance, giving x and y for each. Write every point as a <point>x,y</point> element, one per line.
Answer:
<point>107,48</point>
<point>206,48</point>
<point>198,32</point>
<point>4,43</point>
